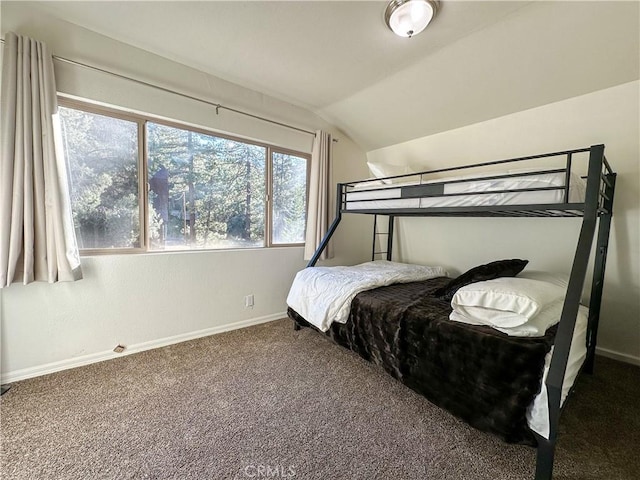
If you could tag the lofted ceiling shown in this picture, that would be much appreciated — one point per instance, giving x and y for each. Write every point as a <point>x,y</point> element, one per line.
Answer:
<point>477,60</point>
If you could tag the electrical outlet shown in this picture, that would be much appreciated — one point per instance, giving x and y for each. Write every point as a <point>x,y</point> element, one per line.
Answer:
<point>248,301</point>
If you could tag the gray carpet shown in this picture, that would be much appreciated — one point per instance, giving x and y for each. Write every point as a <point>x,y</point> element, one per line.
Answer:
<point>270,401</point>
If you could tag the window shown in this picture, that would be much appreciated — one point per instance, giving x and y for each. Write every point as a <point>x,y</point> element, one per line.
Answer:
<point>203,190</point>
<point>102,153</point>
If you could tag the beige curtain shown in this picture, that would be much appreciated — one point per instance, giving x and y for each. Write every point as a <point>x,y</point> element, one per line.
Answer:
<point>37,239</point>
<point>319,214</point>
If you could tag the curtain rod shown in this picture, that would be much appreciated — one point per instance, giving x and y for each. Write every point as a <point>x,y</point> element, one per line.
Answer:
<point>217,106</point>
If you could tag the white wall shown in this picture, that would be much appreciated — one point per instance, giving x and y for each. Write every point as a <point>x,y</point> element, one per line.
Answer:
<point>609,116</point>
<point>142,301</point>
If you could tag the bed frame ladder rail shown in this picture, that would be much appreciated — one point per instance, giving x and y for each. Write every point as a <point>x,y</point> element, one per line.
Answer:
<point>564,335</point>
<point>388,253</point>
<point>597,284</point>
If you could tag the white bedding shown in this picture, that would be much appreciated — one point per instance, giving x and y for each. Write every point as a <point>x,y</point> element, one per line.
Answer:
<point>538,411</point>
<point>322,295</point>
<point>382,196</point>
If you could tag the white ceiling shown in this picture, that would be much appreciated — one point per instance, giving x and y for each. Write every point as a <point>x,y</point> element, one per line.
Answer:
<point>477,60</point>
<point>311,53</point>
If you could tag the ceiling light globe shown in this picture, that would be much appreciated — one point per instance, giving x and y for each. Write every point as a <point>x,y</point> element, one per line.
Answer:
<point>407,18</point>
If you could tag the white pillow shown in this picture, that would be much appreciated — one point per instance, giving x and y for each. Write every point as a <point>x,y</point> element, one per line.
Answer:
<point>535,327</point>
<point>505,302</point>
<point>381,170</point>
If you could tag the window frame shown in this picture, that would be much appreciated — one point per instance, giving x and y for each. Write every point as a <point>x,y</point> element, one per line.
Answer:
<point>141,164</point>
<point>141,121</point>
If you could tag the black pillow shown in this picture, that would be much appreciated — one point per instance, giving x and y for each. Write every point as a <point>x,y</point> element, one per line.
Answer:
<point>499,268</point>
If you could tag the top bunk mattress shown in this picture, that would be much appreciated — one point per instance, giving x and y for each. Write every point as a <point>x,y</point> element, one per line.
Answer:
<point>523,188</point>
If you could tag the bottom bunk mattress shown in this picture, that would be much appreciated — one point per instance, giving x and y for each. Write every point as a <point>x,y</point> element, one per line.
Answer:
<point>482,376</point>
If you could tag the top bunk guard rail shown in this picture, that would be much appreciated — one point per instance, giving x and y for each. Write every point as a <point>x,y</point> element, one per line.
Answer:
<point>486,164</point>
<point>596,211</point>
<point>458,180</point>
<point>435,188</point>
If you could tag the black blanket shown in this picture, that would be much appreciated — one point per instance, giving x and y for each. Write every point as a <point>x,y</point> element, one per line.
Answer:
<point>482,376</point>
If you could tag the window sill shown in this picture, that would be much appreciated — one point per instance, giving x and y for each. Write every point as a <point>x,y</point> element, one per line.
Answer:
<point>106,252</point>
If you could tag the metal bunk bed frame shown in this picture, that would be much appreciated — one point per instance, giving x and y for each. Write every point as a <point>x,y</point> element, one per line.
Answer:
<point>596,212</point>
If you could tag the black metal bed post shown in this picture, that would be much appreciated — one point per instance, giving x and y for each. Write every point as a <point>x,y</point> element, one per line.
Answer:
<point>597,284</point>
<point>564,335</point>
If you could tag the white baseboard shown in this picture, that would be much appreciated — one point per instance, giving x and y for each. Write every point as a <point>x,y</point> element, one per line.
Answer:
<point>53,367</point>
<point>623,357</point>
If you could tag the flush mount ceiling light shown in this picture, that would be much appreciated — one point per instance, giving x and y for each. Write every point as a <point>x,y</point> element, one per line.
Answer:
<point>407,18</point>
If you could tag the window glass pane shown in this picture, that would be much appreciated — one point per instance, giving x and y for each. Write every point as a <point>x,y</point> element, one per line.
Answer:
<point>102,154</point>
<point>289,198</point>
<point>204,191</point>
